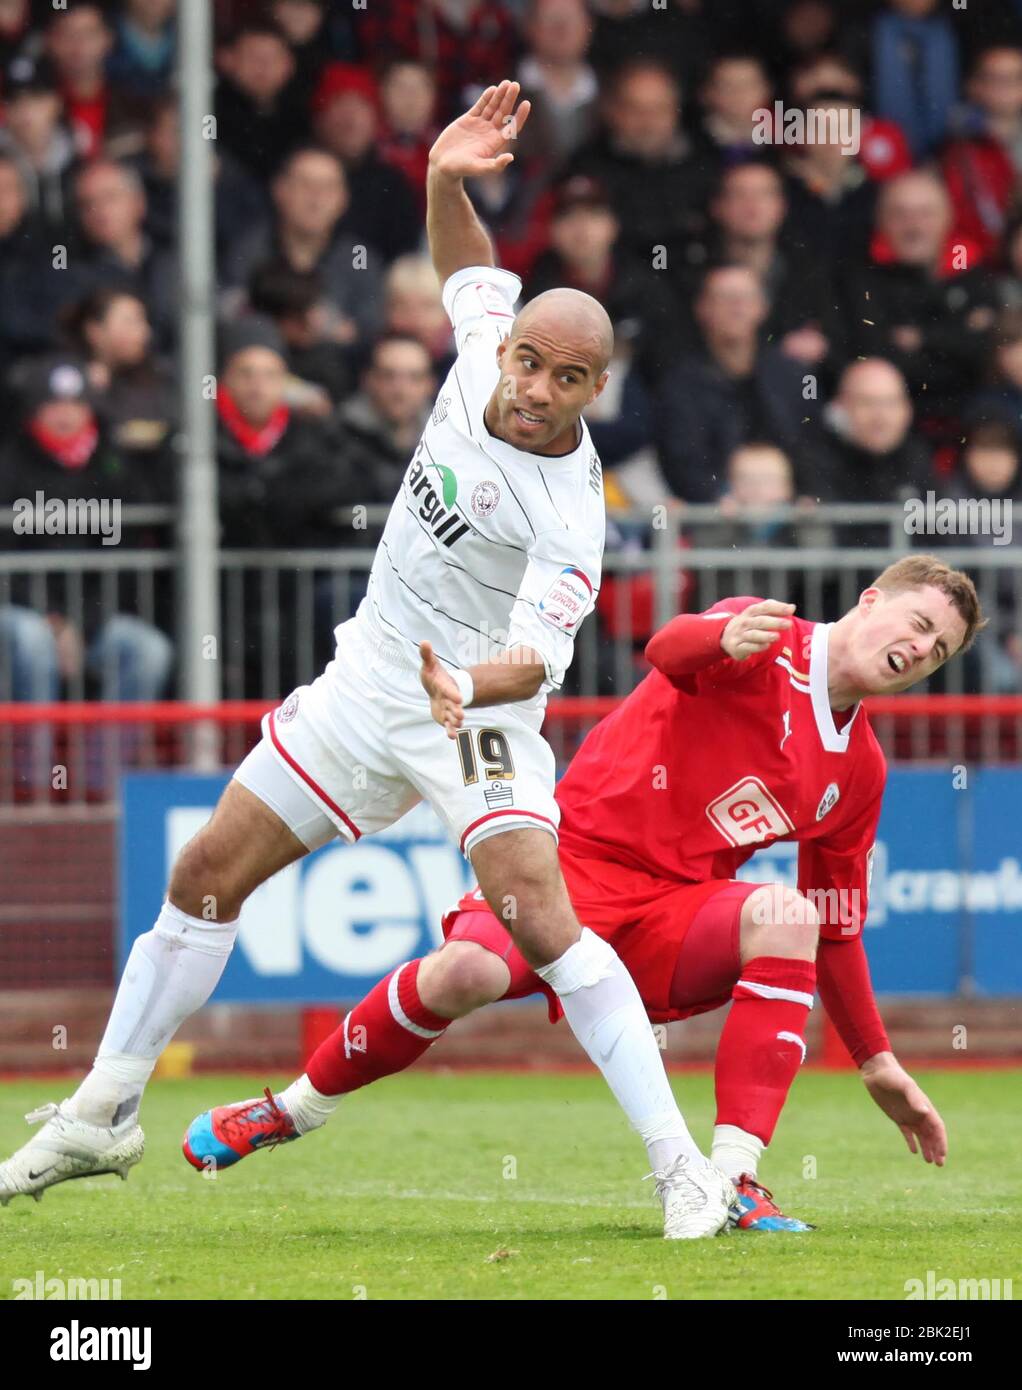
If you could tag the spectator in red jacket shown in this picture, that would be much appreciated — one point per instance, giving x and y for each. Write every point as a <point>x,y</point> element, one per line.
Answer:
<point>78,43</point>
<point>982,165</point>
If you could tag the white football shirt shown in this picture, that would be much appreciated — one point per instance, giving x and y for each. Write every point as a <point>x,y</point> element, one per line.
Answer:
<point>487,546</point>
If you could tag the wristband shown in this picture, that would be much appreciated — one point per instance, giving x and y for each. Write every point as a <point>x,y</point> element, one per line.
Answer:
<point>466,686</point>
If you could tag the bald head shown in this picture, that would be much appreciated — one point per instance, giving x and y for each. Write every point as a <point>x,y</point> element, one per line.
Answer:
<point>574,320</point>
<point>552,364</point>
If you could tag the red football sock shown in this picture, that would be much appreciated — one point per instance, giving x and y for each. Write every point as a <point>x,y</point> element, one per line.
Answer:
<point>385,1033</point>
<point>763,1042</point>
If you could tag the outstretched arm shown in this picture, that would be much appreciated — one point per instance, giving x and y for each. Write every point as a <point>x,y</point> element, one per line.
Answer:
<point>692,641</point>
<point>475,143</point>
<point>515,675</point>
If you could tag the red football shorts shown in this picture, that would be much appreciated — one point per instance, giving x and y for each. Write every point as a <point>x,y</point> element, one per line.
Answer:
<point>679,941</point>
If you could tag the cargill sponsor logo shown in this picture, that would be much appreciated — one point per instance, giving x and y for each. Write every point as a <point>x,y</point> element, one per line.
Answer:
<point>439,514</point>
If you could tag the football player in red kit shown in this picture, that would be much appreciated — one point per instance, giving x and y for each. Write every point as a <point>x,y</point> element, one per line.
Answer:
<point>749,730</point>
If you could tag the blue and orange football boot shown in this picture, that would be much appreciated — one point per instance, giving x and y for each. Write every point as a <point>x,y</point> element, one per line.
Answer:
<point>756,1209</point>
<point>222,1137</point>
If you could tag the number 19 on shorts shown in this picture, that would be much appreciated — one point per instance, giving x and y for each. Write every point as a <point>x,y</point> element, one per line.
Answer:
<point>494,754</point>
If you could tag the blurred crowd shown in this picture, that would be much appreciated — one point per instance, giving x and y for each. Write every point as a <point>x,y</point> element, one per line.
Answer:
<point>836,320</point>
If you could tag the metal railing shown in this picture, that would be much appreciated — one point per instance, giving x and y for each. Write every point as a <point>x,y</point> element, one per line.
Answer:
<point>278,607</point>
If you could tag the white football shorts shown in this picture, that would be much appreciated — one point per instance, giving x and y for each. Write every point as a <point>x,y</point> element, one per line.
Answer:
<point>358,748</point>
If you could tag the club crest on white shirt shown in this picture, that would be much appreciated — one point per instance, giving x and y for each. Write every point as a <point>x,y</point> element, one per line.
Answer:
<point>288,709</point>
<point>485,496</point>
<point>828,801</point>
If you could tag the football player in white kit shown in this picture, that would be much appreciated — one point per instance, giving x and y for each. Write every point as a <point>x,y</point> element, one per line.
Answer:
<point>489,562</point>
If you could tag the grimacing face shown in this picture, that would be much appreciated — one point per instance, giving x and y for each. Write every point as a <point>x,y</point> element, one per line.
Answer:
<point>548,376</point>
<point>901,638</point>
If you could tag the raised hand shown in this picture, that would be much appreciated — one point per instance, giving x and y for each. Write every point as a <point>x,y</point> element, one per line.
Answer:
<point>476,143</point>
<point>757,628</point>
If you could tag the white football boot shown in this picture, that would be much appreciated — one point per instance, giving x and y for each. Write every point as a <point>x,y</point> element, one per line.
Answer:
<point>67,1148</point>
<point>696,1199</point>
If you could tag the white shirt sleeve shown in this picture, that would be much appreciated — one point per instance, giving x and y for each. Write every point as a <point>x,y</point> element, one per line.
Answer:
<point>559,587</point>
<point>480,304</point>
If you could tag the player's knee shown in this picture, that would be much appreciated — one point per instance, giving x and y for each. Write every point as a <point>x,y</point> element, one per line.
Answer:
<point>781,921</point>
<point>200,882</point>
<point>465,976</point>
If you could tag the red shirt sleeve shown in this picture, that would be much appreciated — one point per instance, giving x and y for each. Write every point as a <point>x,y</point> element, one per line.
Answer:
<point>834,874</point>
<point>846,992</point>
<point>690,644</point>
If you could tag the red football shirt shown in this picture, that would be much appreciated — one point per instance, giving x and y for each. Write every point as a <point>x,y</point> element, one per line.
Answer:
<point>693,773</point>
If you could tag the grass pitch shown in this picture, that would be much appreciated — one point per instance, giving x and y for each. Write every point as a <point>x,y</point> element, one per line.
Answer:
<point>497,1186</point>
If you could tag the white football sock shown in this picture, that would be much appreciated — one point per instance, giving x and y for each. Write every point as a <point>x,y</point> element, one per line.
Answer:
<point>735,1151</point>
<point>606,1014</point>
<point>170,973</point>
<point>308,1107</point>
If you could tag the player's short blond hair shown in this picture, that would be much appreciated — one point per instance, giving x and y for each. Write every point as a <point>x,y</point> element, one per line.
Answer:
<point>921,571</point>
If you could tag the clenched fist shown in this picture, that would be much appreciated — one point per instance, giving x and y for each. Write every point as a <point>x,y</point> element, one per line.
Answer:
<point>756,629</point>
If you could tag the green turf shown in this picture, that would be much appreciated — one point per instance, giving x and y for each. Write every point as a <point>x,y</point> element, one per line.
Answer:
<point>419,1182</point>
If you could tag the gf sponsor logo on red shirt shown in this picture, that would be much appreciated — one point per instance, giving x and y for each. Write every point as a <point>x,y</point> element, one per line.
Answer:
<point>748,814</point>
